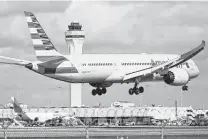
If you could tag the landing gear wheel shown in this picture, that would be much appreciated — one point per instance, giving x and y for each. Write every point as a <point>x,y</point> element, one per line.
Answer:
<point>136,90</point>
<point>104,90</point>
<point>94,92</point>
<point>99,91</point>
<point>131,91</point>
<point>185,88</point>
<point>141,89</point>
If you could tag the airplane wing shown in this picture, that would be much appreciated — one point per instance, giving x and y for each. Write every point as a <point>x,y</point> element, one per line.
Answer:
<point>13,61</point>
<point>165,66</point>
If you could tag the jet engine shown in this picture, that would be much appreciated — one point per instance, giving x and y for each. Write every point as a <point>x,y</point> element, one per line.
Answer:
<point>105,84</point>
<point>176,77</point>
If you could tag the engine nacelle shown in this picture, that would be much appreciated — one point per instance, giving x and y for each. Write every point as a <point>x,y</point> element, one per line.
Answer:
<point>105,84</point>
<point>176,77</point>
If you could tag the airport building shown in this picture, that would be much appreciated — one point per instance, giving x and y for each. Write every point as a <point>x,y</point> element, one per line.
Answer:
<point>119,113</point>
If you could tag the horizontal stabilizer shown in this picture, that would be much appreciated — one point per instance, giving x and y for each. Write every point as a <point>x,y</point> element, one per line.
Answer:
<point>13,61</point>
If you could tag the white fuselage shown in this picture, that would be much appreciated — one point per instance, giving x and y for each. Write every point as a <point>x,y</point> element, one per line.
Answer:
<point>41,116</point>
<point>99,68</point>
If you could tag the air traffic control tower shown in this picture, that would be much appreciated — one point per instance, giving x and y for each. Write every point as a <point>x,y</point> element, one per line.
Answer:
<point>75,38</point>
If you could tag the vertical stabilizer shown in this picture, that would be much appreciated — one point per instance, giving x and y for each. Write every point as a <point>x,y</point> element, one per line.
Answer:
<point>44,49</point>
<point>16,106</point>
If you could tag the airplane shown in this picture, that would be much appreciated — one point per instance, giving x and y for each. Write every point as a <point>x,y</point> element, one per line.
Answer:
<point>29,116</point>
<point>102,70</point>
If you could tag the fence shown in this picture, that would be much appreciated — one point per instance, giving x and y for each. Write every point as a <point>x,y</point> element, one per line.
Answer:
<point>88,132</point>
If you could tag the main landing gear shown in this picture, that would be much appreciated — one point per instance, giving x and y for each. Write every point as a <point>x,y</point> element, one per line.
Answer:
<point>99,91</point>
<point>185,88</point>
<point>136,90</point>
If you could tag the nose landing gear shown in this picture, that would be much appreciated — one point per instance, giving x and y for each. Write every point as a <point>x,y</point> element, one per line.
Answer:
<point>185,88</point>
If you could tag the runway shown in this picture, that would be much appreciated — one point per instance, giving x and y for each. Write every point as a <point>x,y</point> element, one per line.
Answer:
<point>147,132</point>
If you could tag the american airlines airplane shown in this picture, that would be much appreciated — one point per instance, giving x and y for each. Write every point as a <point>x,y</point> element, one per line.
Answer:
<point>102,70</point>
<point>41,116</point>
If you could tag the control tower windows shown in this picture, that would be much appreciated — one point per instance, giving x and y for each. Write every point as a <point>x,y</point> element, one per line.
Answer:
<point>75,26</point>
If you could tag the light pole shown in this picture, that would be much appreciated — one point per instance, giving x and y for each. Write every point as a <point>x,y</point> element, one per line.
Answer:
<point>181,98</point>
<point>162,131</point>
<point>176,107</point>
<point>85,126</point>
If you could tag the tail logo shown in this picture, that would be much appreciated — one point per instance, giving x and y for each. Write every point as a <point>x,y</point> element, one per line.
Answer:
<point>44,48</point>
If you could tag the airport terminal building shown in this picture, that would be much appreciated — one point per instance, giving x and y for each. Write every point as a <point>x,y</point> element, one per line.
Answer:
<point>119,113</point>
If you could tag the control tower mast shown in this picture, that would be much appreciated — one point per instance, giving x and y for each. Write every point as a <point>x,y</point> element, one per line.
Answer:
<point>75,38</point>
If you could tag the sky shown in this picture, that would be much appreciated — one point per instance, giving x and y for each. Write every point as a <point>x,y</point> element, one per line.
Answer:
<point>110,27</point>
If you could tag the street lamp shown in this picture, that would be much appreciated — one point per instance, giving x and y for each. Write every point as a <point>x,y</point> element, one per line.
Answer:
<point>85,126</point>
<point>181,98</point>
<point>176,107</point>
<point>86,129</point>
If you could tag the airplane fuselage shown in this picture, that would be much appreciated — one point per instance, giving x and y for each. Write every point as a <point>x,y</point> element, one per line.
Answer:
<point>99,68</point>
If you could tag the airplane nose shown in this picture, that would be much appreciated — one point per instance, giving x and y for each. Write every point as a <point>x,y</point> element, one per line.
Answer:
<point>195,72</point>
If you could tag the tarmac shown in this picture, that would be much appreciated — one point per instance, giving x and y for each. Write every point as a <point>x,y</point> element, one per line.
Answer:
<point>100,132</point>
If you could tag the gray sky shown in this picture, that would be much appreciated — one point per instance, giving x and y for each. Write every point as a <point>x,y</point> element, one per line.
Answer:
<point>111,27</point>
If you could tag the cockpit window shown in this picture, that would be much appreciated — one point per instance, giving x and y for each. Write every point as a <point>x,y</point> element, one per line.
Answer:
<point>187,65</point>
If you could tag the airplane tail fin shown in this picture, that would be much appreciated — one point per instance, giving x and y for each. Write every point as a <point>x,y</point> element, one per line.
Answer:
<point>16,105</point>
<point>44,49</point>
